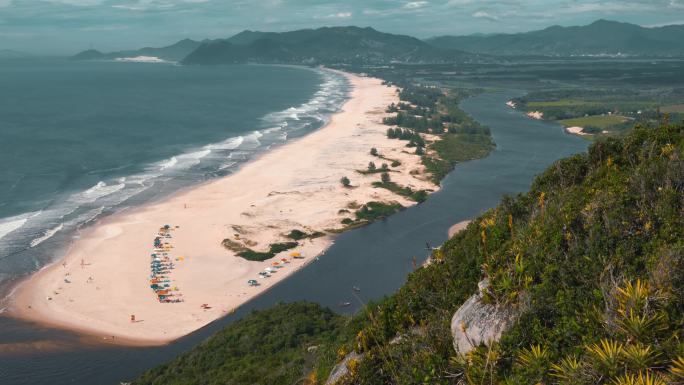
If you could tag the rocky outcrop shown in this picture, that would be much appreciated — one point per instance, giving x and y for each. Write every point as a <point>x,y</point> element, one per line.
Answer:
<point>342,369</point>
<point>476,322</point>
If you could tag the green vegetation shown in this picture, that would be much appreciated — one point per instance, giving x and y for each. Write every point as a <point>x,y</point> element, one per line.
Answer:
<point>561,103</point>
<point>366,214</point>
<point>277,346</point>
<point>345,181</point>
<point>417,196</point>
<point>592,256</point>
<point>601,122</point>
<point>299,235</point>
<point>377,210</point>
<point>374,152</point>
<point>453,149</point>
<point>435,111</point>
<point>612,109</point>
<point>373,169</point>
<point>273,249</point>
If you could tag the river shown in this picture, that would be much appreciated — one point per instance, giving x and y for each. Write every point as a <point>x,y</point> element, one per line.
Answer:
<point>376,258</point>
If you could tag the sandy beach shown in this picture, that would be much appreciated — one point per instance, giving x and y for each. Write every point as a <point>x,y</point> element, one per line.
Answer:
<point>104,278</point>
<point>576,131</point>
<point>457,228</point>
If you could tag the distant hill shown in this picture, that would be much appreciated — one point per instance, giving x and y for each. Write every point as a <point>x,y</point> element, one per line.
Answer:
<point>602,37</point>
<point>323,45</point>
<point>174,52</point>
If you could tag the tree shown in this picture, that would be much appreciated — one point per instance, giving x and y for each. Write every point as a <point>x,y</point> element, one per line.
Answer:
<point>345,181</point>
<point>420,150</point>
<point>374,151</point>
<point>385,177</point>
<point>371,166</point>
<point>384,167</point>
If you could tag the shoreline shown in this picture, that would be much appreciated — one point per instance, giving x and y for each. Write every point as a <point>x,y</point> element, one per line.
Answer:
<point>458,227</point>
<point>255,206</point>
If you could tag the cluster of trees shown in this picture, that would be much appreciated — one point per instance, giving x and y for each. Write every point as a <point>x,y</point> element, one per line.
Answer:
<point>270,347</point>
<point>415,122</point>
<point>413,110</point>
<point>376,210</point>
<point>421,96</point>
<point>461,137</point>
<point>406,134</point>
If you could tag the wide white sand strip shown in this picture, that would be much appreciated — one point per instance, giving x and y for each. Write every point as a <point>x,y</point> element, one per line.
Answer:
<point>104,277</point>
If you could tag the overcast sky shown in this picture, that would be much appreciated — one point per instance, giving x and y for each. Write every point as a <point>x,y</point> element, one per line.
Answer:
<point>67,26</point>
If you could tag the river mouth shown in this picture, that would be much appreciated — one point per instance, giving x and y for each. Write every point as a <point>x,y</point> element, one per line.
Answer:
<point>375,259</point>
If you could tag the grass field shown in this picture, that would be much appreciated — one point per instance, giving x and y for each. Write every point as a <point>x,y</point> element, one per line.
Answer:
<point>560,103</point>
<point>673,109</point>
<point>601,122</point>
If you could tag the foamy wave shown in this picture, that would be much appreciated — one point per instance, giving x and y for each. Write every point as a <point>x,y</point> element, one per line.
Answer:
<point>194,156</point>
<point>327,99</point>
<point>11,224</point>
<point>100,190</point>
<point>48,234</point>
<point>184,161</point>
<point>229,144</point>
<point>168,163</point>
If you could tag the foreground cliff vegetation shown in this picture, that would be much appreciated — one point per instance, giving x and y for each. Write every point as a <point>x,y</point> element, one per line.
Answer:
<point>271,347</point>
<point>592,258</point>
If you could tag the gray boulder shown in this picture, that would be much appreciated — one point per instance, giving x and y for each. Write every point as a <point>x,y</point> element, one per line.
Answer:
<point>340,370</point>
<point>476,322</point>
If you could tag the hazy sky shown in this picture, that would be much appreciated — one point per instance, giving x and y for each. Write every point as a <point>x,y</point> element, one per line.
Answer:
<point>67,26</point>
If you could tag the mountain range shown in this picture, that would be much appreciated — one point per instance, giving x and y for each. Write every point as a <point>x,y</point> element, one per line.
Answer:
<point>602,37</point>
<point>355,45</point>
<point>323,45</point>
<point>174,52</point>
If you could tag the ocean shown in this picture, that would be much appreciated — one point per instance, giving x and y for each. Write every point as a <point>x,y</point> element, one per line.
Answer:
<point>81,140</point>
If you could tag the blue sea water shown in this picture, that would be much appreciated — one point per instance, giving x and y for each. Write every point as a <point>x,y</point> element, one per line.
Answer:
<point>79,140</point>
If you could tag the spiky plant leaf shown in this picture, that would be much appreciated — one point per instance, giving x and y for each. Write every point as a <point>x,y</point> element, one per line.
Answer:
<point>640,357</point>
<point>605,357</point>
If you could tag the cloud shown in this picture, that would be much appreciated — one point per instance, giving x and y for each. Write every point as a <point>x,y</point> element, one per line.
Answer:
<point>78,3</point>
<point>485,15</point>
<point>338,15</point>
<point>160,22</point>
<point>415,4</point>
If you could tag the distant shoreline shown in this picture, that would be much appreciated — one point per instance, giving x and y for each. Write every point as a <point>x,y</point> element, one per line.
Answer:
<point>294,186</point>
